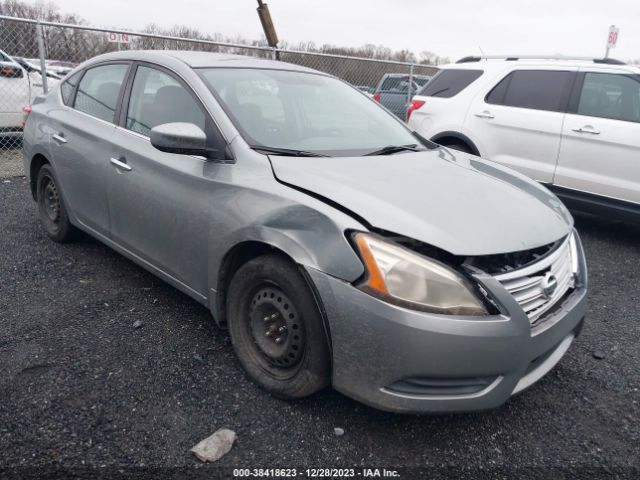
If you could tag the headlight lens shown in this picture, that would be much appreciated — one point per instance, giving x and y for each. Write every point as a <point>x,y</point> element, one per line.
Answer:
<point>403,277</point>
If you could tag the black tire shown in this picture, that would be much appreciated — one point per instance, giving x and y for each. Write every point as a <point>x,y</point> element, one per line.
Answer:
<point>51,208</point>
<point>460,146</point>
<point>299,363</point>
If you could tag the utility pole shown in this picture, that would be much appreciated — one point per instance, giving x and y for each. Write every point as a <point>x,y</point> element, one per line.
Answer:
<point>42,53</point>
<point>267,26</point>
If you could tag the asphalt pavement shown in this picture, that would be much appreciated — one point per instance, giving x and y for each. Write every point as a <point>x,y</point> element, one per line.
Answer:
<point>81,387</point>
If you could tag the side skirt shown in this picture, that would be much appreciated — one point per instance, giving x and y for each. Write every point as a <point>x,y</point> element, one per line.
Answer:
<point>174,282</point>
<point>597,204</point>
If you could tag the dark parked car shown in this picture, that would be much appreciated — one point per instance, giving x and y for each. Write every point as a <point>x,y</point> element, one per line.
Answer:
<point>393,91</point>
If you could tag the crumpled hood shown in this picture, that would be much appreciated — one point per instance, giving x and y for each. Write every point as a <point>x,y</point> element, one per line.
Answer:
<point>445,198</point>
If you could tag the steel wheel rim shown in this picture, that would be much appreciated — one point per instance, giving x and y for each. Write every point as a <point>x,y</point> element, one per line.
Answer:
<point>51,200</point>
<point>275,327</point>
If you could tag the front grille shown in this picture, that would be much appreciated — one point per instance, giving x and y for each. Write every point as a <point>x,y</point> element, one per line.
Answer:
<point>530,286</point>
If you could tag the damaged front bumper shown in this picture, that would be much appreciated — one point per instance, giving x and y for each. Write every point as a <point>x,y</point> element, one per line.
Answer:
<point>402,360</point>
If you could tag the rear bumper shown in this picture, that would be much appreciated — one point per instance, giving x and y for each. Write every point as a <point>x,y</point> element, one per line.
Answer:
<point>401,360</point>
<point>10,121</point>
<point>10,132</point>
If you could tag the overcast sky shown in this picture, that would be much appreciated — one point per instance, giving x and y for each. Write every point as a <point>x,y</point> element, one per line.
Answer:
<point>452,28</point>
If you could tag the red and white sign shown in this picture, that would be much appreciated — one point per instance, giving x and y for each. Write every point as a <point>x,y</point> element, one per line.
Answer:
<point>118,37</point>
<point>613,36</point>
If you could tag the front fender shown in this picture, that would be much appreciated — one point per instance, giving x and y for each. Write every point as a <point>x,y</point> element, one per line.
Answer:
<point>310,237</point>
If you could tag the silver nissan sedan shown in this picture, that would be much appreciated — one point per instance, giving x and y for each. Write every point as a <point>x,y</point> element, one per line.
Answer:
<point>336,245</point>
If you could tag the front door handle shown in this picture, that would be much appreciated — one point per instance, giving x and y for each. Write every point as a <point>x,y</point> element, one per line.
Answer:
<point>485,114</point>
<point>120,164</point>
<point>587,129</point>
<point>59,137</point>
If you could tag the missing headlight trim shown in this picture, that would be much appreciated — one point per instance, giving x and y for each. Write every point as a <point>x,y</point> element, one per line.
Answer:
<point>467,265</point>
<point>507,262</point>
<point>453,262</point>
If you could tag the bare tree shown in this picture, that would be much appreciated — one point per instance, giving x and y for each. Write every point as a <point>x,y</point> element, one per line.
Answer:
<point>77,45</point>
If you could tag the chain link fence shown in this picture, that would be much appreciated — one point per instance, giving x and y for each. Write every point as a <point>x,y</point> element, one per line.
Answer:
<point>29,47</point>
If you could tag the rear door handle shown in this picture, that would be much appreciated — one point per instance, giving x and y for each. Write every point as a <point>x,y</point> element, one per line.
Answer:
<point>120,164</point>
<point>485,114</point>
<point>58,137</point>
<point>587,129</point>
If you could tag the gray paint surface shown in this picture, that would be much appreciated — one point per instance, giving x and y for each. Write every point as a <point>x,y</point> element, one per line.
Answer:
<point>470,207</point>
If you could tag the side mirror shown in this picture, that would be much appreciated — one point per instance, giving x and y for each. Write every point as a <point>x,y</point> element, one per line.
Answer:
<point>181,138</point>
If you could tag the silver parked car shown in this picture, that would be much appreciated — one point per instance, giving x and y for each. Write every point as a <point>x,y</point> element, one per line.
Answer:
<point>336,245</point>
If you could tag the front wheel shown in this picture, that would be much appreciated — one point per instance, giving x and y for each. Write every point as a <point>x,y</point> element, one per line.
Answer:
<point>51,209</point>
<point>276,329</point>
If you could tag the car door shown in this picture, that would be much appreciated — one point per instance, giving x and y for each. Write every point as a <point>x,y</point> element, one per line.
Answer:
<point>519,121</point>
<point>80,143</point>
<point>160,202</point>
<point>600,152</point>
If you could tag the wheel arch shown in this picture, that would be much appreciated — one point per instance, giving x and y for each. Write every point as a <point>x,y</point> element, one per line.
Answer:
<point>456,137</point>
<point>35,165</point>
<point>244,252</point>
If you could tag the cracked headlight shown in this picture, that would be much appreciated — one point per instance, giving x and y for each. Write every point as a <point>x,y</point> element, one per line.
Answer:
<point>400,276</point>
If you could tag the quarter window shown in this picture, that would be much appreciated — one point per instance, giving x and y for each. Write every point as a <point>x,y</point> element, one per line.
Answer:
<point>448,83</point>
<point>533,89</point>
<point>68,86</point>
<point>99,90</point>
<point>610,95</point>
<point>158,98</point>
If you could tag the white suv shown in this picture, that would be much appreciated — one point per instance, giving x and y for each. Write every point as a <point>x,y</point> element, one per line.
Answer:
<point>571,124</point>
<point>20,83</point>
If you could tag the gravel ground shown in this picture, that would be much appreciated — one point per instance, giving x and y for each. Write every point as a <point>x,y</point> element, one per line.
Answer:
<point>10,162</point>
<point>80,386</point>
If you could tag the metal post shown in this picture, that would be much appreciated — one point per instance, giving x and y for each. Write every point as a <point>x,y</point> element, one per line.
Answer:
<point>276,53</point>
<point>43,64</point>
<point>267,24</point>
<point>409,96</point>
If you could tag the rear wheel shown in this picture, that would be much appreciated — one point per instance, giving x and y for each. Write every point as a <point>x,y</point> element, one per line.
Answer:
<point>276,329</point>
<point>51,209</point>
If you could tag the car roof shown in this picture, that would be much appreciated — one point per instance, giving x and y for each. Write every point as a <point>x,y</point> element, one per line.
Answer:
<point>415,75</point>
<point>505,64</point>
<point>199,59</point>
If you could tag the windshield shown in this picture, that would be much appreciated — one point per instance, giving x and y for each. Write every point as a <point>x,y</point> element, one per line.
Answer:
<point>304,111</point>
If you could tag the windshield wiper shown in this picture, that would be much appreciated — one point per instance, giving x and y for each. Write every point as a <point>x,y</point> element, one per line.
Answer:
<point>391,149</point>
<point>427,143</point>
<point>288,152</point>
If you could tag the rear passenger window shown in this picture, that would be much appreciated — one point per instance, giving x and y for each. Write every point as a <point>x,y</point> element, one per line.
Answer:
<point>534,89</point>
<point>68,86</point>
<point>610,95</point>
<point>99,90</point>
<point>448,83</point>
<point>158,98</point>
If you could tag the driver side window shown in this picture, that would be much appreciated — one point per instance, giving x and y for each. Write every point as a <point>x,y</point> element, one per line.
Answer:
<point>158,98</point>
